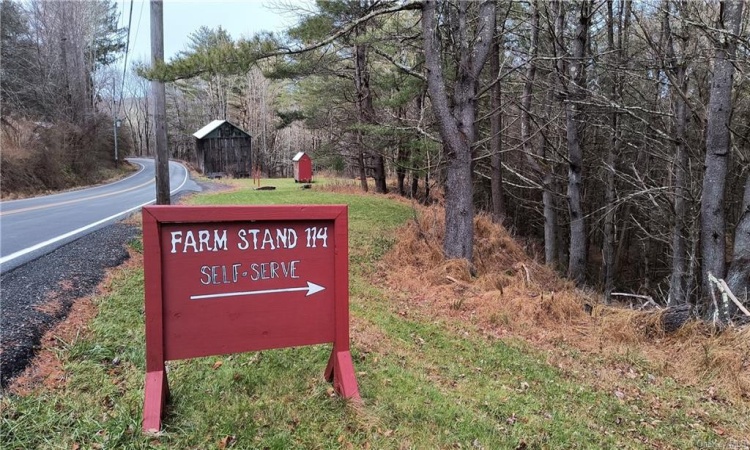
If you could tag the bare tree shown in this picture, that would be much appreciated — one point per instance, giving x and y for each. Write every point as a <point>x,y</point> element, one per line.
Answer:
<point>572,74</point>
<point>678,68</point>
<point>618,113</point>
<point>496,141</point>
<point>455,117</point>
<point>136,111</point>
<point>609,202</point>
<point>738,276</point>
<point>713,228</point>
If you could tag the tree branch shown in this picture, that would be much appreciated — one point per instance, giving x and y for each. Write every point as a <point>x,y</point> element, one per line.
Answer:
<point>402,67</point>
<point>238,59</point>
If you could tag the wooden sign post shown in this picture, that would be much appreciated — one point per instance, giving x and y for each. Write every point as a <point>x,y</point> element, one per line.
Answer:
<point>228,279</point>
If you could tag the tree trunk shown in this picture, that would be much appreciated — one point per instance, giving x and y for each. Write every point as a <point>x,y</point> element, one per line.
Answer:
<point>539,161</point>
<point>401,171</point>
<point>577,253</point>
<point>738,276</point>
<point>713,228</point>
<point>549,188</point>
<point>496,142</point>
<point>362,86</point>
<point>69,111</point>
<point>620,51</point>
<point>427,199</point>
<point>608,249</point>
<point>678,293</point>
<point>379,174</point>
<point>403,154</point>
<point>677,283</point>
<point>419,100</point>
<point>456,119</point>
<point>573,93</point>
<point>366,111</point>
<point>361,163</point>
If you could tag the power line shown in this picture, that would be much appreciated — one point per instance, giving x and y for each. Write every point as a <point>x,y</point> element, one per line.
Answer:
<point>138,27</point>
<point>125,66</point>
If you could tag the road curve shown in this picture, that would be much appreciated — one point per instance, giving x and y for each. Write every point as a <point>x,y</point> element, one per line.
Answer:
<point>35,226</point>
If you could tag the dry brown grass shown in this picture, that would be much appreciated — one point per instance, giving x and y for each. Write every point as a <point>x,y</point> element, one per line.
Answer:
<point>509,288</point>
<point>40,157</point>
<point>52,305</point>
<point>342,185</point>
<point>513,295</point>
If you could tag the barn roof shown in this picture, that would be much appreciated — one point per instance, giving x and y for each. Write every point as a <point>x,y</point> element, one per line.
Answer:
<point>200,134</point>
<point>298,156</point>
<point>205,131</point>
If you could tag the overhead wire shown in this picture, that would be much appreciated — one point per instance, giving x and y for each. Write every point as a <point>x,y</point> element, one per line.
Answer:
<point>138,27</point>
<point>125,66</point>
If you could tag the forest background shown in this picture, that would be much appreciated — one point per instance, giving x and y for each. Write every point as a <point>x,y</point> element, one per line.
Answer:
<point>612,136</point>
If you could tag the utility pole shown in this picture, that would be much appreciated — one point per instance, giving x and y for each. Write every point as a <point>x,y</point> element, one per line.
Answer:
<point>115,120</point>
<point>160,104</point>
<point>116,125</point>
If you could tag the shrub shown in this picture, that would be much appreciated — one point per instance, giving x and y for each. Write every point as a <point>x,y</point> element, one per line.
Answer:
<point>39,157</point>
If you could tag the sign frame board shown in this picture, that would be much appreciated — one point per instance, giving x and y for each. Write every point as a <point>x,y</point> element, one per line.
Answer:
<point>229,279</point>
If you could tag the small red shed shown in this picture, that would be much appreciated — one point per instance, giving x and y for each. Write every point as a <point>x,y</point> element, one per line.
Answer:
<point>302,168</point>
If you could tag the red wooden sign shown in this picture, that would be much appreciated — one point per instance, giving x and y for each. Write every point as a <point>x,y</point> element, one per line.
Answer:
<point>227,279</point>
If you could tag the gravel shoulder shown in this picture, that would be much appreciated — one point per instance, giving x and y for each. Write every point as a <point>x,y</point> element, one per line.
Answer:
<point>39,294</point>
<point>36,296</point>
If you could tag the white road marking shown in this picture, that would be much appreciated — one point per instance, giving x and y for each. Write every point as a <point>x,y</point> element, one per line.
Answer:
<point>77,200</point>
<point>4,202</point>
<point>41,245</point>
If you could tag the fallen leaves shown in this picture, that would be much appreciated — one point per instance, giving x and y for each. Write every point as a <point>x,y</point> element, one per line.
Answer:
<point>227,441</point>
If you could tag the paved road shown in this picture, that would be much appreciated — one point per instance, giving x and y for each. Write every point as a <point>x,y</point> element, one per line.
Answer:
<point>35,226</point>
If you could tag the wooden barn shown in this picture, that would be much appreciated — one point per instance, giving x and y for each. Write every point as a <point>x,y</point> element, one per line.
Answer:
<point>223,149</point>
<point>302,168</point>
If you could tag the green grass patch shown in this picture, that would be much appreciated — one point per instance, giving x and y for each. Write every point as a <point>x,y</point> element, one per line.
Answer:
<point>425,383</point>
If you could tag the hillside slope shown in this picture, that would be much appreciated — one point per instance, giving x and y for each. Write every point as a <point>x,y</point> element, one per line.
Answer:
<point>511,295</point>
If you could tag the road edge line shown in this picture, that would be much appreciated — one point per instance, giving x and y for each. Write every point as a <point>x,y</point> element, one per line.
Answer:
<point>41,245</point>
<point>79,189</point>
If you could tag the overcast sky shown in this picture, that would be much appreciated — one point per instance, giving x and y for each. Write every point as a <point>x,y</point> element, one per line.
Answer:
<point>183,17</point>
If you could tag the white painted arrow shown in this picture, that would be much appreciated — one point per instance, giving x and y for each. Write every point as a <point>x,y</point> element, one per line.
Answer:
<point>311,289</point>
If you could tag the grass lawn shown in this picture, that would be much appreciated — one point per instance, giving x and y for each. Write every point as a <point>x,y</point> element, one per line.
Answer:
<point>426,383</point>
